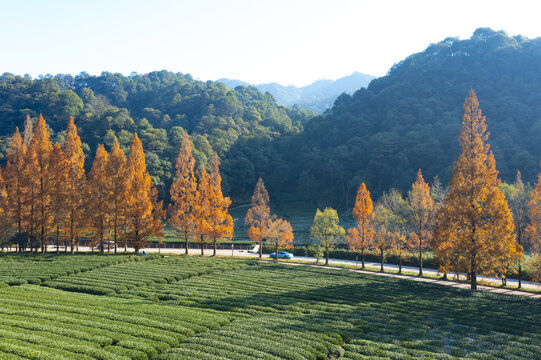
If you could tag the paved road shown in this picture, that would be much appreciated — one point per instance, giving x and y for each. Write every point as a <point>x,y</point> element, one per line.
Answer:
<point>369,265</point>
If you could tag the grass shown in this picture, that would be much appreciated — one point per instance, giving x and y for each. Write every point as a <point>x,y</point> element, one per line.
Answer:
<point>218,308</point>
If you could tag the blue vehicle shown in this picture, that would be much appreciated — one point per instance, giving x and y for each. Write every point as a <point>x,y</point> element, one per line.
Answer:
<point>282,255</point>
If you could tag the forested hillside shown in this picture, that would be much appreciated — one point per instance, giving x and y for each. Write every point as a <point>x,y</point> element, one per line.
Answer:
<point>318,96</point>
<point>380,135</point>
<point>159,106</point>
<point>410,118</point>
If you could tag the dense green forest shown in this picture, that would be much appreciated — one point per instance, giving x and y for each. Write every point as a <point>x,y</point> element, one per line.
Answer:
<point>238,124</point>
<point>381,135</point>
<point>410,118</point>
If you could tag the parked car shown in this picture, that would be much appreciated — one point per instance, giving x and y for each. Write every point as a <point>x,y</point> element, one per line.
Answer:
<point>282,255</point>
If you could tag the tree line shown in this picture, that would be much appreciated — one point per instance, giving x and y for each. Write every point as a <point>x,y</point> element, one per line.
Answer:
<point>45,192</point>
<point>478,225</point>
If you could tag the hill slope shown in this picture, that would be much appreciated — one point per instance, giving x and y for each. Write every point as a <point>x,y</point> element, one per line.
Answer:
<point>410,118</point>
<point>318,96</point>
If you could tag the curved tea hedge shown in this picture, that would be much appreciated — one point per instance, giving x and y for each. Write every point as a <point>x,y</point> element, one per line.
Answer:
<point>221,308</point>
<point>19,269</point>
<point>41,323</point>
<point>127,278</point>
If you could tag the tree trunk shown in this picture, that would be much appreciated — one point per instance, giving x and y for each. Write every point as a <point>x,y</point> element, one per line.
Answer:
<point>260,248</point>
<point>326,255</point>
<point>474,280</point>
<point>520,261</point>
<point>186,240</point>
<point>276,252</point>
<point>400,262</point>
<point>57,241</point>
<point>362,258</point>
<point>519,275</point>
<point>420,256</point>
<point>381,254</point>
<point>201,245</point>
<point>214,251</point>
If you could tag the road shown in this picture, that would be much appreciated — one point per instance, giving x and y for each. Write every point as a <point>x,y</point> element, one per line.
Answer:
<point>369,265</point>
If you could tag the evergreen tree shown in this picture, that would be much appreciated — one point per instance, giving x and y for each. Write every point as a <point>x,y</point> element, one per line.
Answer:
<point>475,221</point>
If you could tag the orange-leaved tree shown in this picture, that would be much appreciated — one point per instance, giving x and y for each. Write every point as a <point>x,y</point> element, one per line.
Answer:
<point>184,192</point>
<point>421,205</point>
<point>475,221</point>
<point>202,209</point>
<point>75,184</point>
<point>143,212</point>
<point>14,179</point>
<point>384,241</point>
<point>98,205</point>
<point>533,231</point>
<point>360,238</point>
<point>280,234</point>
<point>117,175</point>
<point>5,226</point>
<point>518,198</point>
<point>39,152</point>
<point>258,216</point>
<point>220,223</point>
<point>58,177</point>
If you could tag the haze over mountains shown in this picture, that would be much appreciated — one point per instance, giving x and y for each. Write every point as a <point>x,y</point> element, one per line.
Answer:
<point>318,96</point>
<point>380,135</point>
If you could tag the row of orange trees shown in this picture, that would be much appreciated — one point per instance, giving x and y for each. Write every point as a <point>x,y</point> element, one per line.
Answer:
<point>472,227</point>
<point>45,192</point>
<point>199,210</point>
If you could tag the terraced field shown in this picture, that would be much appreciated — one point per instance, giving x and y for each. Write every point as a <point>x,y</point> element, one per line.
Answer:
<point>218,308</point>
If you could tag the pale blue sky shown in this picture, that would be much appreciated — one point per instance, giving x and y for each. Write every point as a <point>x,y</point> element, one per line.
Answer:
<point>291,42</point>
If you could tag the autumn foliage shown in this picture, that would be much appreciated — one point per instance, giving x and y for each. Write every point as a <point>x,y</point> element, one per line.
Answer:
<point>184,192</point>
<point>361,237</point>
<point>421,205</point>
<point>474,230</point>
<point>258,216</point>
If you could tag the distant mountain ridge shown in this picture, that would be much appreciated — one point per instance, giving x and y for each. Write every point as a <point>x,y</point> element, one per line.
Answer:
<point>318,96</point>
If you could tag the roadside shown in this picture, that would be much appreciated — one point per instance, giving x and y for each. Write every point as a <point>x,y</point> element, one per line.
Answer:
<point>454,284</point>
<point>430,275</point>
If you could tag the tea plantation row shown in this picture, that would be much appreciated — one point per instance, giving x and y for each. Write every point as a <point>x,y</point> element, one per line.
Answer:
<point>219,308</point>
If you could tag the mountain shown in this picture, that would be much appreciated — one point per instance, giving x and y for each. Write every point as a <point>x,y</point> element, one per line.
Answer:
<point>318,96</point>
<point>160,106</point>
<point>410,118</point>
<point>380,135</point>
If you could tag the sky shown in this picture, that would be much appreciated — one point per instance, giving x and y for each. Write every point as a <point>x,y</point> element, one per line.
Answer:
<point>258,41</point>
